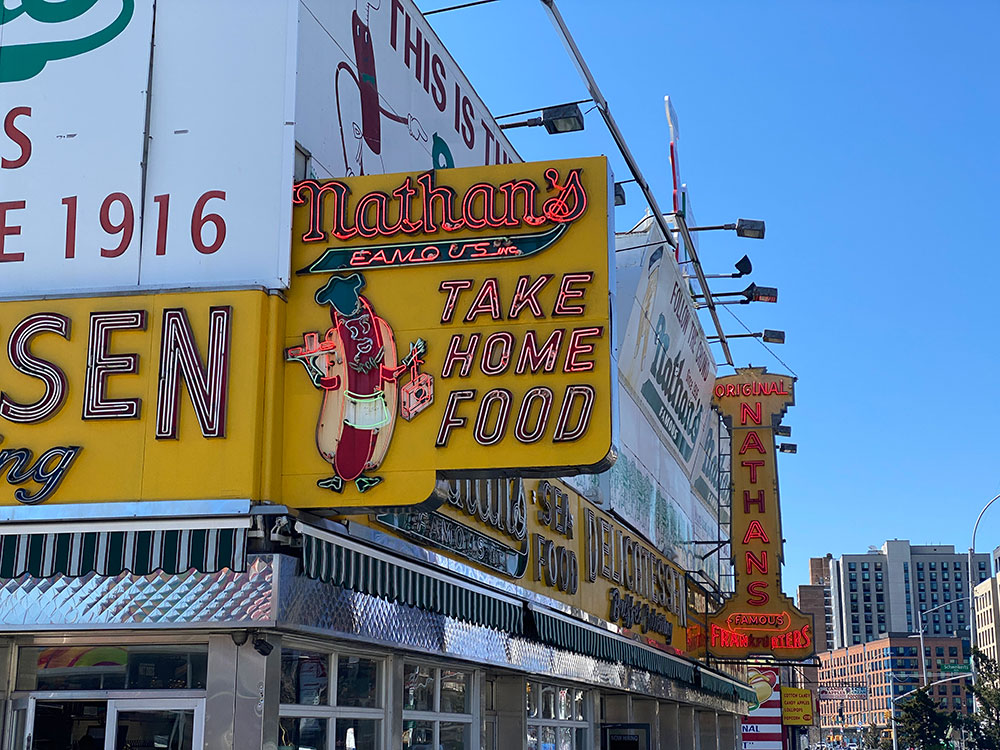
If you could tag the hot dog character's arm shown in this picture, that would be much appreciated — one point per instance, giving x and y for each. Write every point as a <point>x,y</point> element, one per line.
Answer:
<point>417,348</point>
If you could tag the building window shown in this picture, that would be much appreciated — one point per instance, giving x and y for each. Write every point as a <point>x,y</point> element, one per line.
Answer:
<point>438,707</point>
<point>852,566</point>
<point>325,696</point>
<point>557,717</point>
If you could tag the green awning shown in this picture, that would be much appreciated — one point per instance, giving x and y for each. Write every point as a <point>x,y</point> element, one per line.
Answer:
<point>352,569</point>
<point>555,631</point>
<point>725,688</point>
<point>109,553</point>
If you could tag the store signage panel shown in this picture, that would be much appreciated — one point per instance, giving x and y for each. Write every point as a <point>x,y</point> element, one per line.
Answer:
<point>133,398</point>
<point>797,707</point>
<point>116,173</point>
<point>384,95</point>
<point>453,322</point>
<point>546,538</point>
<point>759,618</point>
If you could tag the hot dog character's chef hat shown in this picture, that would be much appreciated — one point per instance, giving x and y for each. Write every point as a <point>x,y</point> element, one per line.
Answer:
<point>342,292</point>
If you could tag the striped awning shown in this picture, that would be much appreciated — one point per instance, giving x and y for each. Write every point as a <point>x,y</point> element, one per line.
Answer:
<point>561,633</point>
<point>407,583</point>
<point>111,552</point>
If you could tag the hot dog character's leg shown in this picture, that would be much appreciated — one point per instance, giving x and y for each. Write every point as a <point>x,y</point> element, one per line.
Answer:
<point>334,483</point>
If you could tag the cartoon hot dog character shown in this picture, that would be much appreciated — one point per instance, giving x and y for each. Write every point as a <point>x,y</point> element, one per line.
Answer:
<point>355,366</point>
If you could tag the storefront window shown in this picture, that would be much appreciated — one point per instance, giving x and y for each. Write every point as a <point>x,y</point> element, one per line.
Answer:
<point>437,708</point>
<point>112,668</point>
<point>302,734</point>
<point>557,717</point>
<point>330,701</point>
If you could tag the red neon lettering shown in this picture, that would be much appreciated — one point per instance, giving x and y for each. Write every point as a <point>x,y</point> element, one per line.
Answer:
<point>758,593</point>
<point>567,292</point>
<point>449,421</point>
<point>454,288</point>
<point>488,196</point>
<point>755,562</point>
<point>544,396</point>
<point>720,391</point>
<point>752,440</point>
<point>570,202</point>
<point>747,501</point>
<point>575,348</point>
<point>754,414</point>
<point>752,465</point>
<point>586,395</point>
<point>527,189</point>
<point>502,398</point>
<point>527,296</point>
<point>755,531</point>
<point>487,301</point>
<point>497,349</point>
<point>730,390</point>
<point>456,354</point>
<point>534,358</point>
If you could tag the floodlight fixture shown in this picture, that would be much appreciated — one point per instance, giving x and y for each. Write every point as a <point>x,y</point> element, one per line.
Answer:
<point>773,337</point>
<point>562,118</point>
<point>769,336</point>
<point>755,293</point>
<point>751,228</point>
<point>783,431</point>
<point>752,293</point>
<point>788,448</point>
<point>743,267</point>
<point>619,194</point>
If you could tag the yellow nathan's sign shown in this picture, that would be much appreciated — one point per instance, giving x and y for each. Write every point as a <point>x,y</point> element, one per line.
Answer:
<point>759,619</point>
<point>443,324</point>
<point>546,538</point>
<point>151,397</point>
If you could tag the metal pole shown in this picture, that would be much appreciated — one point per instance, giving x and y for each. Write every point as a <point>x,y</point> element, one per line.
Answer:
<point>892,705</point>
<point>923,661</point>
<point>602,105</point>
<point>972,598</point>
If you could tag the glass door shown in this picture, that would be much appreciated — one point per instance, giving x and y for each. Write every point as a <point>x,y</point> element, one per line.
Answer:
<point>20,722</point>
<point>160,724</point>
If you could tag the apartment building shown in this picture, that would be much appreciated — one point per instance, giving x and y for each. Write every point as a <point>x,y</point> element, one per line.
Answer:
<point>899,587</point>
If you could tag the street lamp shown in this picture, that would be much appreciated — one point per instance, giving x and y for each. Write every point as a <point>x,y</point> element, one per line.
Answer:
<point>768,335</point>
<point>750,228</point>
<point>562,118</point>
<point>972,597</point>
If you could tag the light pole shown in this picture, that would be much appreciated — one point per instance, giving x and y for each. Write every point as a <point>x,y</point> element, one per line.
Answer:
<point>920,631</point>
<point>893,699</point>
<point>972,597</point>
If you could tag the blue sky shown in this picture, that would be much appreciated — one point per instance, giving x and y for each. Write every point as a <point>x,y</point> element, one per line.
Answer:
<point>865,133</point>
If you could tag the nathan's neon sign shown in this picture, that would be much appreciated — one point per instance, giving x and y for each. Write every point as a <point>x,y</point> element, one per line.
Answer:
<point>759,618</point>
<point>422,207</point>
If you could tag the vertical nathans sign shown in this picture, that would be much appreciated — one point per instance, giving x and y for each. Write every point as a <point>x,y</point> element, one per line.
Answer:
<point>759,618</point>
<point>452,322</point>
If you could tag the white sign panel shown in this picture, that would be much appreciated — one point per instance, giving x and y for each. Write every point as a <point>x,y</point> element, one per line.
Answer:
<point>378,93</point>
<point>668,368</point>
<point>116,174</point>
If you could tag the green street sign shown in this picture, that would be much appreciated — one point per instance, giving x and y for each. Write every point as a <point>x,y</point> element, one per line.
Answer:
<point>955,667</point>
